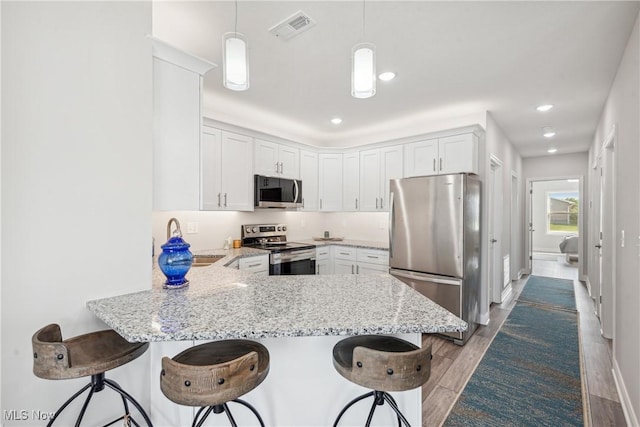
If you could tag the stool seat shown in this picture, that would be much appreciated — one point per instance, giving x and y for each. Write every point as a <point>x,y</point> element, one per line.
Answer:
<point>214,373</point>
<point>80,356</point>
<point>382,363</point>
<point>86,355</point>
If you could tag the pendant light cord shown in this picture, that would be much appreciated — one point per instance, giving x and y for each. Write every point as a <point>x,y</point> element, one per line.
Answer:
<point>363,18</point>
<point>235,25</point>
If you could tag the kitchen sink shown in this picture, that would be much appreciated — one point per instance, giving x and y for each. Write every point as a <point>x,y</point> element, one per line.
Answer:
<point>205,260</point>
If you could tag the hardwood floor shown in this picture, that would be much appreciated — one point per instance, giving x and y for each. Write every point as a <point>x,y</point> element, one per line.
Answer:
<point>453,365</point>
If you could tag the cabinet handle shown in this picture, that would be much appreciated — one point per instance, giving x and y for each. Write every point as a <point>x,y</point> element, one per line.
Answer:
<point>303,203</point>
<point>218,199</point>
<point>351,268</point>
<point>376,203</point>
<point>381,203</point>
<point>440,163</point>
<point>434,164</point>
<point>276,167</point>
<point>225,200</point>
<point>320,203</point>
<point>317,269</point>
<point>357,269</point>
<point>254,265</point>
<point>356,203</point>
<point>371,256</point>
<point>281,167</point>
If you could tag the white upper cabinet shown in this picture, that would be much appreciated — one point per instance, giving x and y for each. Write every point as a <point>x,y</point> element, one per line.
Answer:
<point>309,178</point>
<point>279,160</point>
<point>351,182</point>
<point>177,99</point>
<point>330,182</point>
<point>377,167</point>
<point>226,178</point>
<point>450,154</point>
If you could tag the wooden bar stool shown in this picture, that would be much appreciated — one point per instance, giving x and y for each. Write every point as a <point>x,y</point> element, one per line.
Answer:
<point>383,364</point>
<point>211,375</point>
<point>90,354</point>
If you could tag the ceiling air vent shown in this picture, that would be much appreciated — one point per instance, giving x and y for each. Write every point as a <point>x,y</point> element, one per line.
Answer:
<point>292,26</point>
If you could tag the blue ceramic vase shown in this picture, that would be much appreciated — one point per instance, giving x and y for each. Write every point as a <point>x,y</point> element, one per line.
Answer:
<point>175,261</point>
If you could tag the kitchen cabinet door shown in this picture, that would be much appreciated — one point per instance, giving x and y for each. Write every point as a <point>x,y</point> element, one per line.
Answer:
<point>341,266</point>
<point>309,178</point>
<point>350,200</point>
<point>279,160</point>
<point>225,171</point>
<point>330,184</point>
<point>421,158</point>
<point>458,153</point>
<point>236,178</point>
<point>391,166</point>
<point>370,180</point>
<point>366,268</point>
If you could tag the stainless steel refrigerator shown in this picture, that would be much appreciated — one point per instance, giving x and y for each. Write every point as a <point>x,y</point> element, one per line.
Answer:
<point>434,241</point>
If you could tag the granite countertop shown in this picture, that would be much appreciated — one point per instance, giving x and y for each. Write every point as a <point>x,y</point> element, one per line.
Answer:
<point>223,303</point>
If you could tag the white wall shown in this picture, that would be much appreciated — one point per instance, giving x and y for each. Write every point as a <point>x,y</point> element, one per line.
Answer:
<point>214,227</point>
<point>622,109</point>
<point>498,145</point>
<point>76,182</point>
<point>543,241</point>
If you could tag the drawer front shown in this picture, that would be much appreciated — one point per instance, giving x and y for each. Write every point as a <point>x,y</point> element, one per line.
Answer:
<point>344,252</point>
<point>322,252</point>
<point>373,256</point>
<point>254,264</point>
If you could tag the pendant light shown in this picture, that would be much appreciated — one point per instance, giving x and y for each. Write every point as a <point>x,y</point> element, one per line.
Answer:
<point>363,67</point>
<point>235,64</point>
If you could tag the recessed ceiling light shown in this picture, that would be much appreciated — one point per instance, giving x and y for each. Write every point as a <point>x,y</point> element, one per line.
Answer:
<point>545,107</point>
<point>552,150</point>
<point>386,76</point>
<point>336,120</point>
<point>548,132</point>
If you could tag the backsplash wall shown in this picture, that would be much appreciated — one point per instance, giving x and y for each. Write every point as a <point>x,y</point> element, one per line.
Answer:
<point>215,227</point>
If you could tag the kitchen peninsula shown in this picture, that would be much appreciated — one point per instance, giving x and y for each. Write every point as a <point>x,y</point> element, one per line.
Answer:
<point>298,318</point>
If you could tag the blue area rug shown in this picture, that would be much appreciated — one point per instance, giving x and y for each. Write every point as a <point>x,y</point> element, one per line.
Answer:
<point>549,291</point>
<point>529,376</point>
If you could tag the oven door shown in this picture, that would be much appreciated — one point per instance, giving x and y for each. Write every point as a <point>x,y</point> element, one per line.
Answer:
<point>292,262</point>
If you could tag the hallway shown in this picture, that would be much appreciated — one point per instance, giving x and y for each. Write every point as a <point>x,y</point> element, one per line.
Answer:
<point>452,365</point>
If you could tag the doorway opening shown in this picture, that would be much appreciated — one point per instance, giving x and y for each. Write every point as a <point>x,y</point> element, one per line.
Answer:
<point>555,248</point>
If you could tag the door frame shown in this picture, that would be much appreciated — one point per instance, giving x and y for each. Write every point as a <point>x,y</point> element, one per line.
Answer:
<point>497,290</point>
<point>514,254</point>
<point>609,240</point>
<point>528,220</point>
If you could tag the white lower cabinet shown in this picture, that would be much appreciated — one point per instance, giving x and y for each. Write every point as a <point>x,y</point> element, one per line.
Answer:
<point>350,260</point>
<point>255,264</point>
<point>323,260</point>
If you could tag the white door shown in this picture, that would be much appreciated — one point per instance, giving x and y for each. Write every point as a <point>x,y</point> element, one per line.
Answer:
<point>370,180</point>
<point>421,158</point>
<point>236,177</point>
<point>351,198</point>
<point>309,178</point>
<point>390,168</point>
<point>266,158</point>
<point>608,241</point>
<point>495,229</point>
<point>330,182</point>
<point>210,151</point>
<point>289,161</point>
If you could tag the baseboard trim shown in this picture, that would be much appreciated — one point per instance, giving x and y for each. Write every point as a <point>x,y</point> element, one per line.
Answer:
<point>484,319</point>
<point>625,400</point>
<point>506,292</point>
<point>588,283</point>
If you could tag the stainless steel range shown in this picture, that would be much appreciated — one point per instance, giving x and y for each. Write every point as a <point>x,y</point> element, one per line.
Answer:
<point>285,257</point>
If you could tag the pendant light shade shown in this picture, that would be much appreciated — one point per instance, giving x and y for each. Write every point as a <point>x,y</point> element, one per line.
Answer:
<point>363,70</point>
<point>235,67</point>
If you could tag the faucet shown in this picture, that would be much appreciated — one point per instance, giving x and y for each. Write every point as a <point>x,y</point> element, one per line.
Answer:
<point>177,223</point>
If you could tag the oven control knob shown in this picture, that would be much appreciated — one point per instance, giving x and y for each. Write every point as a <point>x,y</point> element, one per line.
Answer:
<point>254,229</point>
<point>248,229</point>
<point>279,228</point>
<point>284,228</point>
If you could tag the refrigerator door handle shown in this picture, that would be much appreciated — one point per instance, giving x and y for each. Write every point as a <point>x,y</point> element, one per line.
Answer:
<point>424,277</point>
<point>391,224</point>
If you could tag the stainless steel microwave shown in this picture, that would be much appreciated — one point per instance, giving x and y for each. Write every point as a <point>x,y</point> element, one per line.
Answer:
<point>273,192</point>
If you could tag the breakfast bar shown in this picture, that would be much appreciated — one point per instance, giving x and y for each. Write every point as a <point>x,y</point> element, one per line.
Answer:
<point>298,318</point>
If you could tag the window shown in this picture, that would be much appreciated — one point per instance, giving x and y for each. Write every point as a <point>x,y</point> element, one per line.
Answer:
<point>562,212</point>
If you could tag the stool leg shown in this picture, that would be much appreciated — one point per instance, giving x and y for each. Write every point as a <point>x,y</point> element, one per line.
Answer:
<point>84,406</point>
<point>197,423</point>
<point>391,401</point>
<point>350,404</point>
<point>228,412</point>
<point>71,399</point>
<point>114,386</point>
<point>377,400</point>
<point>252,409</point>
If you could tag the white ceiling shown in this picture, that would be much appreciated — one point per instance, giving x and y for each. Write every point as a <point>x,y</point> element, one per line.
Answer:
<point>452,59</point>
